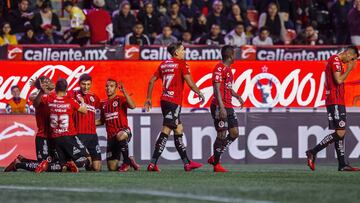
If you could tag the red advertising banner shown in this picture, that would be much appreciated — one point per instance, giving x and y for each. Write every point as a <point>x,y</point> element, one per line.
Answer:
<point>17,136</point>
<point>261,83</point>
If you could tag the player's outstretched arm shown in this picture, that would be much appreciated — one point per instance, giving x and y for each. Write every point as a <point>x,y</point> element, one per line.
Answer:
<point>340,78</point>
<point>193,87</point>
<point>129,100</point>
<point>218,97</point>
<point>147,104</point>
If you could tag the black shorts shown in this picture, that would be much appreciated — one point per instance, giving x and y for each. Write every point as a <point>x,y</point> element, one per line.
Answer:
<point>113,149</point>
<point>171,114</point>
<point>336,116</point>
<point>42,148</point>
<point>70,148</point>
<point>223,124</point>
<point>91,143</point>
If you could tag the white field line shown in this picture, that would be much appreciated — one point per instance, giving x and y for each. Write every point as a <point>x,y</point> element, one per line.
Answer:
<point>155,193</point>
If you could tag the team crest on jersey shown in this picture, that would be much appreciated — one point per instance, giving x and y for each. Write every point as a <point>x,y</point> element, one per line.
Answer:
<point>92,99</point>
<point>115,104</point>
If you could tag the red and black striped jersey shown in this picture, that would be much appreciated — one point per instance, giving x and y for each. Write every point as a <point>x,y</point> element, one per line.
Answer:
<point>223,75</point>
<point>335,93</point>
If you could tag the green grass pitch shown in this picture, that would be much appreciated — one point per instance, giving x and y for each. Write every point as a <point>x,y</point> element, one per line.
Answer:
<point>245,183</point>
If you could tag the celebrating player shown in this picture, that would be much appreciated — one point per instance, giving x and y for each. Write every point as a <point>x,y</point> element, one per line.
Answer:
<point>114,115</point>
<point>85,123</point>
<point>69,149</point>
<point>222,111</point>
<point>335,105</point>
<point>173,73</point>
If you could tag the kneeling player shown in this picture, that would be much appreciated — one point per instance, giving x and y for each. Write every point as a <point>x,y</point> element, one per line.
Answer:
<point>114,115</point>
<point>221,108</point>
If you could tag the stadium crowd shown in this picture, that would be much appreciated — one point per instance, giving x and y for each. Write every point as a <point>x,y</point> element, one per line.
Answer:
<point>161,22</point>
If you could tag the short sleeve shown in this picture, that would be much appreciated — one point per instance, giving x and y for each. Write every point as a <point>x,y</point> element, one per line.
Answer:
<point>123,102</point>
<point>185,68</point>
<point>97,102</point>
<point>336,65</point>
<point>217,74</point>
<point>102,114</point>
<point>157,73</point>
<point>44,99</point>
<point>74,104</point>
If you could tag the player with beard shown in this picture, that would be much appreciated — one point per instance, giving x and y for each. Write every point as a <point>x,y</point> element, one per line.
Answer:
<point>43,149</point>
<point>85,123</point>
<point>222,111</point>
<point>70,151</point>
<point>174,73</point>
<point>114,116</point>
<point>335,104</point>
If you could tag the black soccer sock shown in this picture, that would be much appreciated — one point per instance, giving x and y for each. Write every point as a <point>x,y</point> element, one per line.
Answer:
<point>29,166</point>
<point>325,142</point>
<point>227,142</point>
<point>340,152</point>
<point>124,148</point>
<point>218,145</point>
<point>159,147</point>
<point>180,147</point>
<point>54,167</point>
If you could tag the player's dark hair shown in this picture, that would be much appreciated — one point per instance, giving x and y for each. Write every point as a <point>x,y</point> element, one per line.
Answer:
<point>38,82</point>
<point>173,47</point>
<point>111,80</point>
<point>354,49</point>
<point>226,52</point>
<point>61,85</point>
<point>85,77</point>
<point>14,87</point>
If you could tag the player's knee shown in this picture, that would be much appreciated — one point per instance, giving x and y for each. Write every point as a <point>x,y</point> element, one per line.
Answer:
<point>112,165</point>
<point>341,133</point>
<point>221,134</point>
<point>97,166</point>
<point>166,130</point>
<point>122,136</point>
<point>179,130</point>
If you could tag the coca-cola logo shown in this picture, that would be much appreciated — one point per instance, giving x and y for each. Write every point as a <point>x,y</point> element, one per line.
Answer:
<point>15,53</point>
<point>51,71</point>
<point>15,130</point>
<point>132,52</point>
<point>280,93</point>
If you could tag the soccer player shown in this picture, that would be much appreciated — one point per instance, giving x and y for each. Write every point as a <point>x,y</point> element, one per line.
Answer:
<point>335,105</point>
<point>222,111</point>
<point>68,147</point>
<point>85,123</point>
<point>173,72</point>
<point>44,86</point>
<point>114,116</point>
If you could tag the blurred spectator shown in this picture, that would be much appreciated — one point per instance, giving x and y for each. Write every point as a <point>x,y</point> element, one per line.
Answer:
<point>228,5</point>
<point>99,23</point>
<point>237,36</point>
<point>38,4</point>
<point>166,37</point>
<point>302,15</point>
<point>217,16</point>
<point>289,24</point>
<point>137,37</point>
<point>263,38</point>
<point>200,27</point>
<point>49,36</point>
<point>5,37</point>
<point>354,23</point>
<point>339,12</point>
<point>275,22</point>
<point>150,20</point>
<point>137,4</point>
<point>186,38</point>
<point>76,34</point>
<point>236,16</point>
<point>310,37</point>
<point>46,17</point>
<point>204,6</point>
<point>29,36</point>
<point>161,6</point>
<point>176,20</point>
<point>7,6</point>
<point>123,21</point>
<point>190,12</point>
<point>214,37</point>
<point>19,17</point>
<point>17,105</point>
<point>112,5</point>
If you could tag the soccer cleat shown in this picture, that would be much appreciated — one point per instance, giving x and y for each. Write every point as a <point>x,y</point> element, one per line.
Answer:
<point>211,160</point>
<point>133,164</point>
<point>11,166</point>
<point>349,168</point>
<point>192,165</point>
<point>124,167</point>
<point>153,167</point>
<point>43,166</point>
<point>71,166</point>
<point>310,160</point>
<point>219,168</point>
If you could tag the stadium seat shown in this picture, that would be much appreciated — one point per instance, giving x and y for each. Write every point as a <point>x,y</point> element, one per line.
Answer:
<point>253,17</point>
